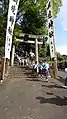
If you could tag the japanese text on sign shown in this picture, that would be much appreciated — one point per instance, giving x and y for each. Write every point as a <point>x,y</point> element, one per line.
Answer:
<point>13,7</point>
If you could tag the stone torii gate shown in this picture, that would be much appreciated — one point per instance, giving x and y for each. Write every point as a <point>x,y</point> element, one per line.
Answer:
<point>35,41</point>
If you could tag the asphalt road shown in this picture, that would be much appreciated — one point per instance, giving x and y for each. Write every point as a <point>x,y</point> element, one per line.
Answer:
<point>62,74</point>
<point>24,96</point>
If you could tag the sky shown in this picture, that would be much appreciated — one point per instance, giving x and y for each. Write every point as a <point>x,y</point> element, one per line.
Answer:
<point>60,23</point>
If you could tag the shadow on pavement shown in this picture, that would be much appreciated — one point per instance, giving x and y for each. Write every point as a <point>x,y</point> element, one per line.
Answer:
<point>36,80</point>
<point>48,93</point>
<point>52,86</point>
<point>54,100</point>
<point>61,79</point>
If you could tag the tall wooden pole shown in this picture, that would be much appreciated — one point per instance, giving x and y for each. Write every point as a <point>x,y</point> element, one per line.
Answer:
<point>3,68</point>
<point>55,55</point>
<point>51,36</point>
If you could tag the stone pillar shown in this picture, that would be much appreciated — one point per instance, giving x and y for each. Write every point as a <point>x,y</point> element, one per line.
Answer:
<point>12,57</point>
<point>7,66</point>
<point>36,51</point>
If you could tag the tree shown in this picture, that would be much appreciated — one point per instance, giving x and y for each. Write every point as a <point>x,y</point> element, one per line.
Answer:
<point>33,22</point>
<point>34,17</point>
<point>44,51</point>
<point>37,10</point>
<point>59,56</point>
<point>3,20</point>
<point>56,6</point>
<point>41,4</point>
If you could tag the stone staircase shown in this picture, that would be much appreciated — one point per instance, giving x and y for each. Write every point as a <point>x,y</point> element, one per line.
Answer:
<point>17,72</point>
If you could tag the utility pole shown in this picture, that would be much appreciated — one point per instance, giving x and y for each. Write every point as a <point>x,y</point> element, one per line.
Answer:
<point>51,36</point>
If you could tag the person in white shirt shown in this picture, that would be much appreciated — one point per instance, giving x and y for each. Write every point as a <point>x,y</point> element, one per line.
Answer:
<point>32,55</point>
<point>45,69</point>
<point>46,66</point>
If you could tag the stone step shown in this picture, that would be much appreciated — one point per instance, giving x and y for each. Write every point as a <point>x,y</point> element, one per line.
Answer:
<point>17,72</point>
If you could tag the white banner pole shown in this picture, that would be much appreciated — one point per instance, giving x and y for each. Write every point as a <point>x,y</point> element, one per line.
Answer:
<point>12,12</point>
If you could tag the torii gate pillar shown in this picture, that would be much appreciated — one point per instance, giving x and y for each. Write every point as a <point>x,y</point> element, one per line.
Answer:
<point>12,57</point>
<point>36,51</point>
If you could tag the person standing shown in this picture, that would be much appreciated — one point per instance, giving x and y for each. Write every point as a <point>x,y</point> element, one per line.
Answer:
<point>45,69</point>
<point>32,55</point>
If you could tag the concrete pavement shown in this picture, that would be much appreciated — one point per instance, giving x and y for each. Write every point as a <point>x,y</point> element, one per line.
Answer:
<point>24,96</point>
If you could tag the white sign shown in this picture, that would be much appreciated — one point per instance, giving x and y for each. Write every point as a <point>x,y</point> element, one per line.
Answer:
<point>50,29</point>
<point>52,50</point>
<point>12,12</point>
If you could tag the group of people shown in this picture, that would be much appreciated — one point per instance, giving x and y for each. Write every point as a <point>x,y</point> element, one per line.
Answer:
<point>23,59</point>
<point>42,67</point>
